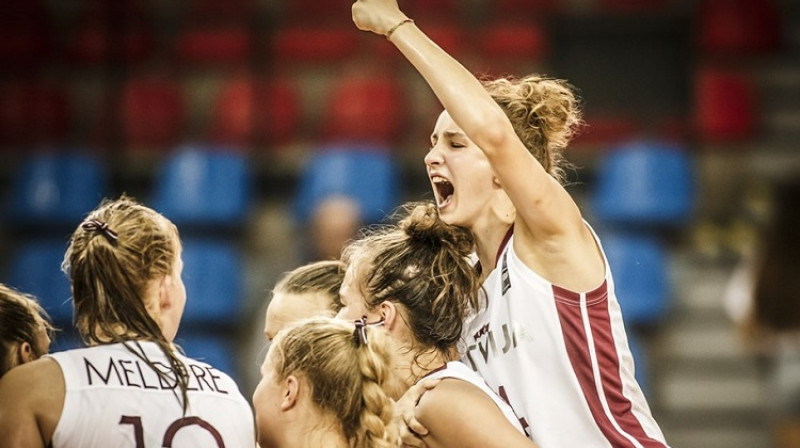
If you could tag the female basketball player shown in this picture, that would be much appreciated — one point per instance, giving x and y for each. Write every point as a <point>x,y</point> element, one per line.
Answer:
<point>24,329</point>
<point>416,281</point>
<point>550,335</point>
<point>130,387</point>
<point>308,291</point>
<point>322,386</point>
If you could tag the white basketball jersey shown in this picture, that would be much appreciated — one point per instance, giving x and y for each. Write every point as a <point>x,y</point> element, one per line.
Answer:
<point>459,370</point>
<point>114,399</point>
<point>560,358</point>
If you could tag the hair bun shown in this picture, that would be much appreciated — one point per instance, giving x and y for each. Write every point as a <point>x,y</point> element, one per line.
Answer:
<point>423,226</point>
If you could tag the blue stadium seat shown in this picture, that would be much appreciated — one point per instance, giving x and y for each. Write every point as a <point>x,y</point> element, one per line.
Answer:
<point>35,268</point>
<point>641,270</point>
<point>56,190</point>
<point>203,187</point>
<point>364,173</point>
<point>210,348</point>
<point>644,183</point>
<point>213,276</point>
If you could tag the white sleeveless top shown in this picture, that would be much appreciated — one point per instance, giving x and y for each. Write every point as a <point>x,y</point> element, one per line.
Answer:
<point>560,358</point>
<point>114,399</point>
<point>458,370</point>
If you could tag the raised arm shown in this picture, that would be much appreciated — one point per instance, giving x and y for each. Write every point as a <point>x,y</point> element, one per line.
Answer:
<point>551,236</point>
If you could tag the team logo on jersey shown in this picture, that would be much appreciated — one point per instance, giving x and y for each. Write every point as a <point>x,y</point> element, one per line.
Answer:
<point>486,346</point>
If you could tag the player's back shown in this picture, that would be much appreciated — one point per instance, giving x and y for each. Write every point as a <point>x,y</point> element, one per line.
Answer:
<point>116,398</point>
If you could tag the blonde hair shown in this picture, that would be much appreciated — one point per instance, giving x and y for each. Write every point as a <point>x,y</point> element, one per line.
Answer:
<point>423,264</point>
<point>348,377</point>
<point>324,277</point>
<point>545,114</point>
<point>112,256</point>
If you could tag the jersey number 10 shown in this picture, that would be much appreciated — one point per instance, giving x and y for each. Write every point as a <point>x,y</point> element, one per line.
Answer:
<point>169,434</point>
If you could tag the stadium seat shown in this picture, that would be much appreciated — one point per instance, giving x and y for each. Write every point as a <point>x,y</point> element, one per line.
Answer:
<point>111,32</point>
<point>364,108</point>
<point>644,184</point>
<point>55,191</point>
<point>365,173</point>
<point>36,269</point>
<point>300,45</point>
<point>95,43</point>
<point>220,11</point>
<point>501,42</point>
<point>204,188</point>
<point>633,6</point>
<point>725,106</point>
<point>641,271</point>
<point>212,274</point>
<point>313,13</point>
<point>33,113</point>
<point>214,45</point>
<point>246,111</point>
<point>738,28</point>
<point>28,35</point>
<point>152,113</point>
<point>524,9</point>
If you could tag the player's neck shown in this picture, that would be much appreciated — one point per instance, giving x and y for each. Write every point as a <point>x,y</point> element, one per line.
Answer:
<point>490,231</point>
<point>318,431</point>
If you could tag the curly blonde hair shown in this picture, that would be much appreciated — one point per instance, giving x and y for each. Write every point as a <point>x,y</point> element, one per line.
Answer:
<point>545,114</point>
<point>348,378</point>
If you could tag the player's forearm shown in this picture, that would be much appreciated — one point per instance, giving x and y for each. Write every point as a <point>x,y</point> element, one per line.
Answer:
<point>464,97</point>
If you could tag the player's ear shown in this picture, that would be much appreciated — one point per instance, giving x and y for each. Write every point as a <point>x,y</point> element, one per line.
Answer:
<point>290,390</point>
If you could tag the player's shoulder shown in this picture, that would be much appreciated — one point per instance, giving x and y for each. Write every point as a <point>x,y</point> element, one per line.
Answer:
<point>451,395</point>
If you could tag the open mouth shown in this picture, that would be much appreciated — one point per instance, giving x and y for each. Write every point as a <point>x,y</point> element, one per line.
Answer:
<point>443,190</point>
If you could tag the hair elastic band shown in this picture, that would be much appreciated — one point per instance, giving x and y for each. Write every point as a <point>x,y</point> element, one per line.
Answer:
<point>360,332</point>
<point>93,225</point>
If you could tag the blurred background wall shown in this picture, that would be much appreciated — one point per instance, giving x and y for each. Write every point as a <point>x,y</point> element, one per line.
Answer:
<point>239,118</point>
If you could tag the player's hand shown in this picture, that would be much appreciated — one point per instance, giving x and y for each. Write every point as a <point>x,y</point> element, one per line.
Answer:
<point>411,430</point>
<point>376,16</point>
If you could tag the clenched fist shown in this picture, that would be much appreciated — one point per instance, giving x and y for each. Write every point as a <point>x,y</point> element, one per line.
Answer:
<point>377,16</point>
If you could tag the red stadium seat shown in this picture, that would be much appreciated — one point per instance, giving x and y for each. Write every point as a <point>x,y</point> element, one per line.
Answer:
<point>439,9</point>
<point>26,35</point>
<point>220,11</point>
<point>95,43</point>
<point>504,44</point>
<point>318,12</point>
<point>152,113</point>
<point>629,6</point>
<point>214,45</point>
<point>738,27</point>
<point>724,106</point>
<point>524,9</point>
<point>33,113</point>
<point>301,45</point>
<point>246,111</point>
<point>605,129</point>
<point>365,108</point>
<point>23,48</point>
<point>119,31</point>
